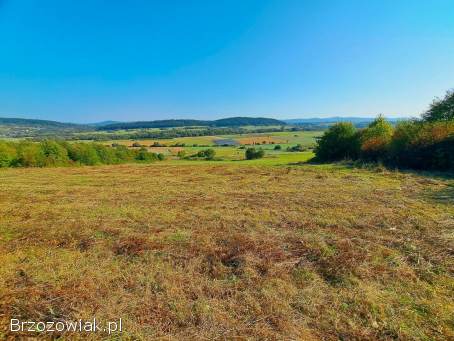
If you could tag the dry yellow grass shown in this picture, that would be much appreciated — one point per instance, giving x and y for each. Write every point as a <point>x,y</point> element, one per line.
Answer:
<point>194,252</point>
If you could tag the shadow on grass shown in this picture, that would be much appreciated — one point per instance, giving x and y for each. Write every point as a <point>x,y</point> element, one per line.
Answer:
<point>378,167</point>
<point>443,196</point>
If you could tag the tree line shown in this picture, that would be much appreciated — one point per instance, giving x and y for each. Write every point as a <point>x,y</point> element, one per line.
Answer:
<point>52,153</point>
<point>426,143</point>
<point>170,133</point>
<point>225,122</point>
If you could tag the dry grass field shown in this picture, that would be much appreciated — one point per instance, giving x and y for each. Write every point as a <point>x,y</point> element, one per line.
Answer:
<point>229,251</point>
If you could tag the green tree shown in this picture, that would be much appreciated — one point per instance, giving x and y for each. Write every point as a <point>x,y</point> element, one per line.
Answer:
<point>208,154</point>
<point>441,109</point>
<point>252,153</point>
<point>375,139</point>
<point>339,142</point>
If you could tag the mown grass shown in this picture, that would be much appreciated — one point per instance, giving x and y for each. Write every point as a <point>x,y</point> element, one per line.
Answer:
<point>187,250</point>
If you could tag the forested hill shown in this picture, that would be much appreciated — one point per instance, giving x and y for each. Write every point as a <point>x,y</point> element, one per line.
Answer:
<point>225,122</point>
<point>36,123</point>
<point>247,121</point>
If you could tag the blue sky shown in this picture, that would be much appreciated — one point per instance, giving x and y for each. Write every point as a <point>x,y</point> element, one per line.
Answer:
<point>85,61</point>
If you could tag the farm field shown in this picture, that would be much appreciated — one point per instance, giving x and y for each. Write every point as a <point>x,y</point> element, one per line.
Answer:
<point>266,141</point>
<point>198,250</point>
<point>305,138</point>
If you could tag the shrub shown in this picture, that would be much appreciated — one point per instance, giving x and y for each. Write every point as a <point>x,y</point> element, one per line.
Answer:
<point>106,155</point>
<point>277,147</point>
<point>123,154</point>
<point>8,154</point>
<point>423,145</point>
<point>54,154</point>
<point>136,144</point>
<point>375,139</point>
<point>83,153</point>
<point>144,155</point>
<point>252,153</point>
<point>181,154</point>
<point>297,148</point>
<point>60,153</point>
<point>401,146</point>
<point>161,157</point>
<point>208,154</point>
<point>340,141</point>
<point>29,154</point>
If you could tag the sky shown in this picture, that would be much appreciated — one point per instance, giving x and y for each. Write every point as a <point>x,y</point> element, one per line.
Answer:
<point>89,61</point>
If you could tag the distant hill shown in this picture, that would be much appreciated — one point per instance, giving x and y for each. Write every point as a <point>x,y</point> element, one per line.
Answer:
<point>358,121</point>
<point>225,122</point>
<point>36,123</point>
<point>102,123</point>
<point>246,121</point>
<point>334,119</point>
<point>153,124</point>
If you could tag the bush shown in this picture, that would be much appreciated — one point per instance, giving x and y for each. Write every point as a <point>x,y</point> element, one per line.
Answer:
<point>60,153</point>
<point>161,157</point>
<point>277,147</point>
<point>144,155</point>
<point>208,154</point>
<point>419,144</point>
<point>54,154</point>
<point>106,155</point>
<point>297,148</point>
<point>423,145</point>
<point>252,153</point>
<point>84,154</point>
<point>29,154</point>
<point>8,154</point>
<point>136,144</point>
<point>340,141</point>
<point>123,154</point>
<point>375,139</point>
<point>401,146</point>
<point>181,154</point>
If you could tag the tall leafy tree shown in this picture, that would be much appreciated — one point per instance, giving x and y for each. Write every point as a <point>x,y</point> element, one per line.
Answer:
<point>441,109</point>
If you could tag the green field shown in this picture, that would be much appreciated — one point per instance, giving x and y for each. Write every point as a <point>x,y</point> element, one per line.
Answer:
<point>266,141</point>
<point>306,138</point>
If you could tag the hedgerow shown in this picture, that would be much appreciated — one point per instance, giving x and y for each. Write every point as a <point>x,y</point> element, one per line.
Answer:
<point>53,153</point>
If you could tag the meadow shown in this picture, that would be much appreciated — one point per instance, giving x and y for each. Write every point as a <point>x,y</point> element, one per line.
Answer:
<point>285,137</point>
<point>266,141</point>
<point>267,249</point>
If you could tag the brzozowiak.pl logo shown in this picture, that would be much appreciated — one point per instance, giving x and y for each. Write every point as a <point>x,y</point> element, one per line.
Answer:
<point>78,326</point>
